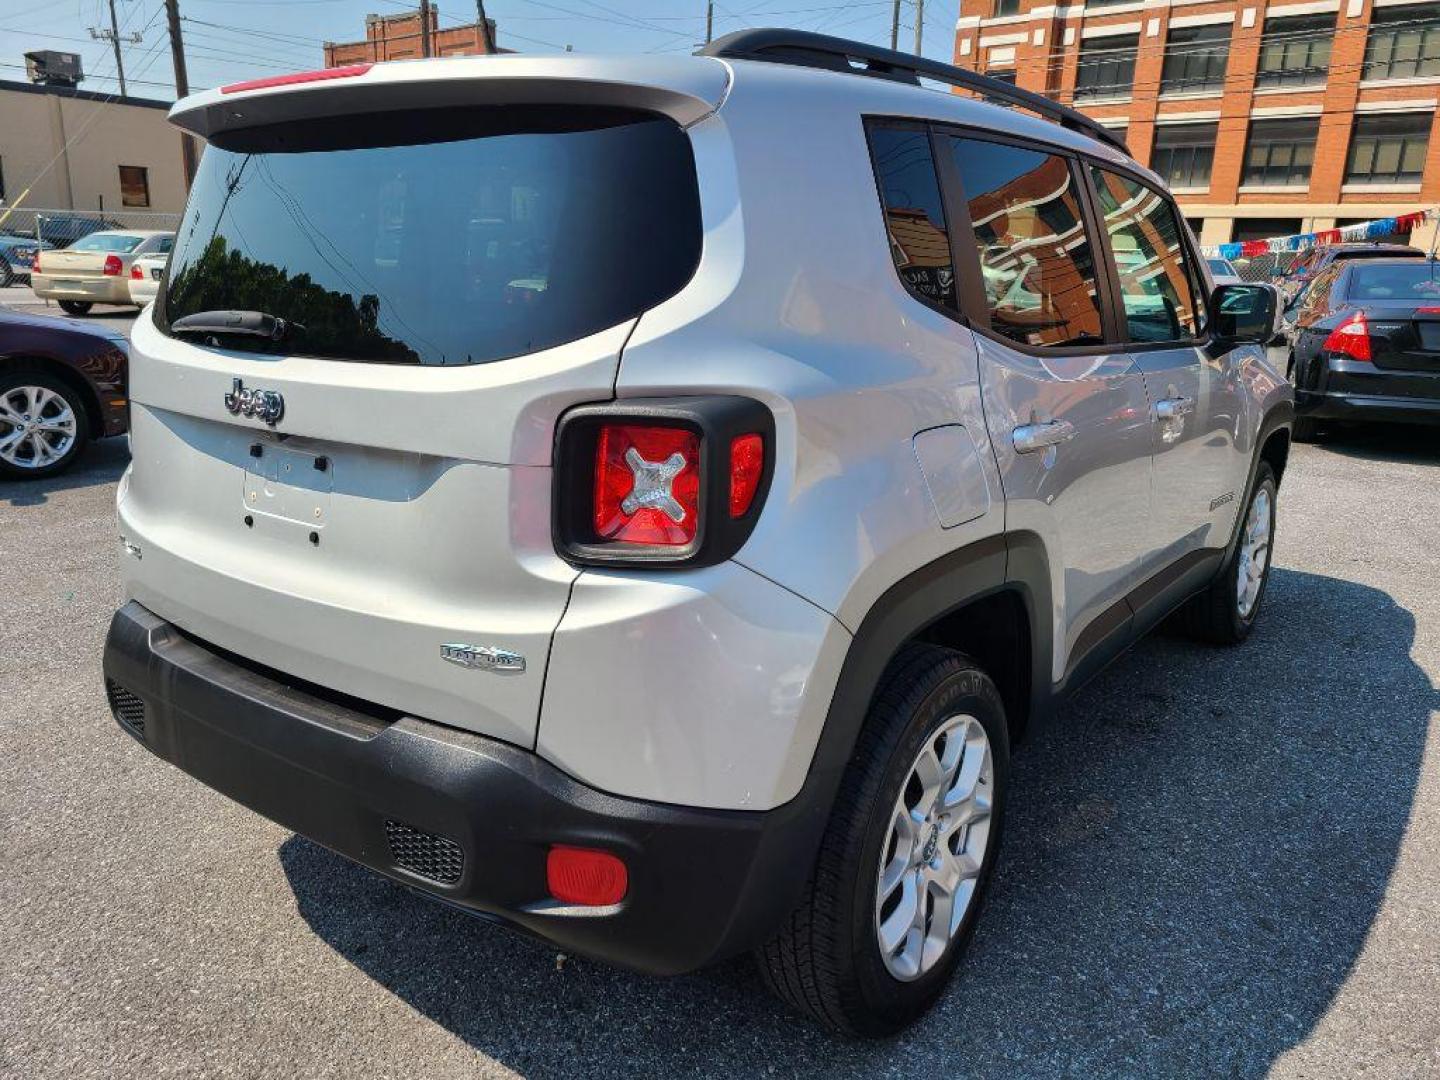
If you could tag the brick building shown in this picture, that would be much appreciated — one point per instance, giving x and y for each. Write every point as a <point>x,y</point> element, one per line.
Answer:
<point>398,37</point>
<point>1267,117</point>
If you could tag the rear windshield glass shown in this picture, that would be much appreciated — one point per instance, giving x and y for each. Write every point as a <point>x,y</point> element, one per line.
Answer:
<point>443,237</point>
<point>1414,281</point>
<point>111,242</point>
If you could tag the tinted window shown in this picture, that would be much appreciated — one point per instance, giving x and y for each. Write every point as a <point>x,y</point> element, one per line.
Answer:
<point>1157,282</point>
<point>112,242</point>
<point>914,215</point>
<point>1106,67</point>
<point>442,237</point>
<point>1036,259</point>
<point>1418,281</point>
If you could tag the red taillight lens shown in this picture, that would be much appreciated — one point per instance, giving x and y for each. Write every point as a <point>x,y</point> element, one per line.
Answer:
<point>35,263</point>
<point>747,461</point>
<point>1351,338</point>
<point>585,876</point>
<point>136,274</point>
<point>647,485</point>
<point>112,266</point>
<point>1428,310</point>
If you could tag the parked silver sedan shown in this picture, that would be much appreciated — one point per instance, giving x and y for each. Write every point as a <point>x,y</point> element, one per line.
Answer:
<point>145,275</point>
<point>96,268</point>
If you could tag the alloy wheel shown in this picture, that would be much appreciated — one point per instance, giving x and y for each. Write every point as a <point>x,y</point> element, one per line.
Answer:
<point>37,427</point>
<point>1254,552</point>
<point>935,848</point>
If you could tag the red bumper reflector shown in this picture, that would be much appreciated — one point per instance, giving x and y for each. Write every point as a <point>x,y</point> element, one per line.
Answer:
<point>585,876</point>
<point>299,77</point>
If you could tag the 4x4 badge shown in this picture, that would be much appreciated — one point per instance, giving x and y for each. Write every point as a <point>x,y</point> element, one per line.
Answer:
<point>484,657</point>
<point>267,405</point>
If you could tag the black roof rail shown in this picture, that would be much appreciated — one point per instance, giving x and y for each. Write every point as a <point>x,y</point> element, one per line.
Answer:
<point>857,58</point>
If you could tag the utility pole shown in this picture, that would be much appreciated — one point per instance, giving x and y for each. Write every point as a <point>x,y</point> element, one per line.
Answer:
<point>709,20</point>
<point>424,27</point>
<point>182,86</point>
<point>489,38</point>
<point>113,36</point>
<point>895,26</point>
<point>919,24</point>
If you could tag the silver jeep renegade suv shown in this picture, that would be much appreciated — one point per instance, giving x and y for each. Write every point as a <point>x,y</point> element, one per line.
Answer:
<point>644,501</point>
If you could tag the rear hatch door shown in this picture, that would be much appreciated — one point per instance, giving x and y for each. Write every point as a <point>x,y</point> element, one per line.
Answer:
<point>361,500</point>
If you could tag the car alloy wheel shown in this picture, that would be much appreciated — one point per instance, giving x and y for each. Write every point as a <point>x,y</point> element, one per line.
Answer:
<point>1254,553</point>
<point>37,427</point>
<point>931,862</point>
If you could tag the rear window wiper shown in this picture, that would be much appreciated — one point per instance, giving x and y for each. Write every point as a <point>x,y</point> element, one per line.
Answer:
<point>249,323</point>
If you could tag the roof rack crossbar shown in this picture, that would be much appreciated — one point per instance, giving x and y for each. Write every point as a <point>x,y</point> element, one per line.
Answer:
<point>854,57</point>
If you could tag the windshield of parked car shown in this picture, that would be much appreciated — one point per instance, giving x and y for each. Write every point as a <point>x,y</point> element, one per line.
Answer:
<point>1401,282</point>
<point>440,237</point>
<point>111,242</point>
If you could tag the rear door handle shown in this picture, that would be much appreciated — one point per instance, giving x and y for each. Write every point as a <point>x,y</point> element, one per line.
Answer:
<point>1031,437</point>
<point>1174,408</point>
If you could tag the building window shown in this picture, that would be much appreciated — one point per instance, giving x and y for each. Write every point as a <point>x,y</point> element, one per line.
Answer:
<point>1007,7</point>
<point>1106,66</point>
<point>134,185</point>
<point>1280,152</point>
<point>1388,149</point>
<point>1404,43</point>
<point>1295,51</point>
<point>1005,76</point>
<point>1195,58</point>
<point>1184,153</point>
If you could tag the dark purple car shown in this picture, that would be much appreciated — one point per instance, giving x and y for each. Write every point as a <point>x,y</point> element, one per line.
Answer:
<point>62,383</point>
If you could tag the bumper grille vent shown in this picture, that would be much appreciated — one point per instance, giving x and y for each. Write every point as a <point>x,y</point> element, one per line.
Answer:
<point>128,708</point>
<point>425,855</point>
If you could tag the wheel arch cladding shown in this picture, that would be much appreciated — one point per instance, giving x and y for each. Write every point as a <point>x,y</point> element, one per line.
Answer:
<point>1276,450</point>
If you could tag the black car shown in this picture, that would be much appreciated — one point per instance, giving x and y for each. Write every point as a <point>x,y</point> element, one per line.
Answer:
<point>62,383</point>
<point>1366,344</point>
<point>1319,259</point>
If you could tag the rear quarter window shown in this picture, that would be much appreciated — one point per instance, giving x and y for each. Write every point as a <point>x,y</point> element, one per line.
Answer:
<point>440,238</point>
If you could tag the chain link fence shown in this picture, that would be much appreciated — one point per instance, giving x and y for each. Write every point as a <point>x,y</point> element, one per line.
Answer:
<point>61,228</point>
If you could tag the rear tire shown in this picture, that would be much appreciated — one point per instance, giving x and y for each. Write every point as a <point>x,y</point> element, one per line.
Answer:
<point>76,307</point>
<point>63,425</point>
<point>1225,613</point>
<point>936,714</point>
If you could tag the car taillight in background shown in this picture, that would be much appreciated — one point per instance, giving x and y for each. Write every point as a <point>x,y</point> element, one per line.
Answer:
<point>113,266</point>
<point>136,274</point>
<point>35,263</point>
<point>1351,338</point>
<point>675,480</point>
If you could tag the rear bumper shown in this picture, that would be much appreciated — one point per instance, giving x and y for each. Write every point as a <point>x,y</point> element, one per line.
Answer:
<point>463,817</point>
<point>1367,407</point>
<point>102,290</point>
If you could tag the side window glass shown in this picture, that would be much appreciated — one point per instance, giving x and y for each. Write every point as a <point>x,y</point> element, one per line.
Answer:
<point>914,213</point>
<point>1156,279</point>
<point>1318,294</point>
<point>1036,259</point>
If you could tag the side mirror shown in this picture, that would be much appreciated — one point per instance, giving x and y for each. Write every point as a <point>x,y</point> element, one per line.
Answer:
<point>1247,314</point>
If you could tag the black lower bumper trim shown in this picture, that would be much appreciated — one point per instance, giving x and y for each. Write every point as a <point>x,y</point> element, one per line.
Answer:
<point>466,818</point>
<point>1365,407</point>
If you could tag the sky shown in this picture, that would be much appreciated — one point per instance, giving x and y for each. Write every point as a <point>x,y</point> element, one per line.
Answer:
<point>229,40</point>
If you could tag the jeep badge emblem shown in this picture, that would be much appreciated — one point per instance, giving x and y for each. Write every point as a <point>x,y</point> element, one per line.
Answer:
<point>267,405</point>
<point>483,657</point>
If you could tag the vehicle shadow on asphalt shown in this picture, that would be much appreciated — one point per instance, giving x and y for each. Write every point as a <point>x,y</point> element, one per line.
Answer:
<point>1410,444</point>
<point>101,462</point>
<point>1195,853</point>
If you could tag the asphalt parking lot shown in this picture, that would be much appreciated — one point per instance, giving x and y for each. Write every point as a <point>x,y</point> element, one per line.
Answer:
<point>1218,861</point>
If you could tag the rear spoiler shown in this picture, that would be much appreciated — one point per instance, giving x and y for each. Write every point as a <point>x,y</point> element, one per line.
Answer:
<point>686,89</point>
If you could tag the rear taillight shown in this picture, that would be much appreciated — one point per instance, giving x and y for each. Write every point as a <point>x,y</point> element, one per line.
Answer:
<point>647,485</point>
<point>113,266</point>
<point>35,263</point>
<point>136,274</point>
<point>674,480</point>
<point>1351,338</point>
<point>1428,310</point>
